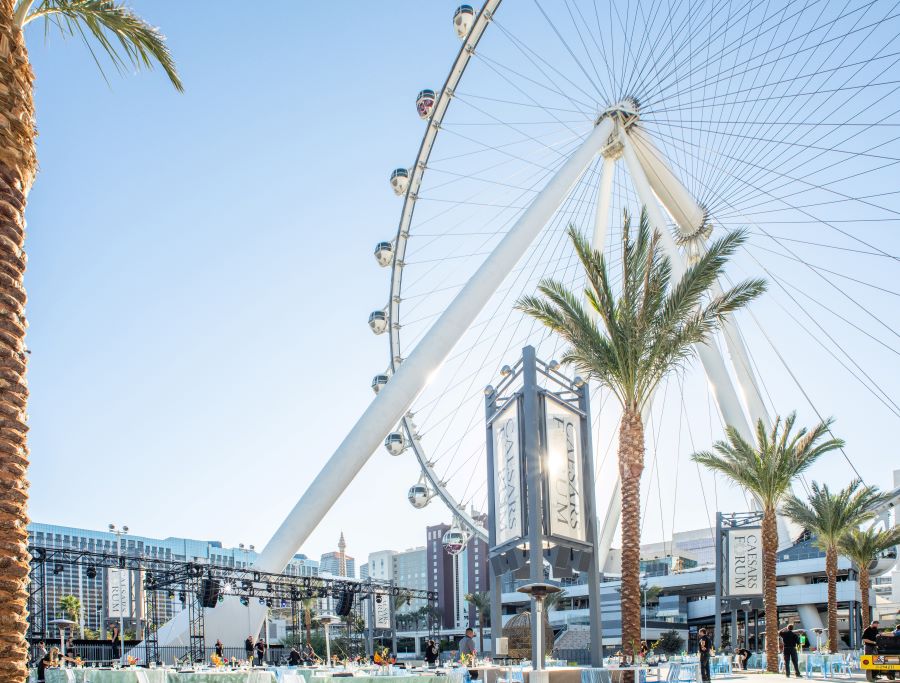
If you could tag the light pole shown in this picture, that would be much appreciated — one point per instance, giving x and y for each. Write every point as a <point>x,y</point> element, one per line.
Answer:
<point>119,533</point>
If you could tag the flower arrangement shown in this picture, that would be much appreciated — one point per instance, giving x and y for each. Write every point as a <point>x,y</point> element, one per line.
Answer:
<point>383,657</point>
<point>216,660</point>
<point>467,660</point>
<point>132,661</point>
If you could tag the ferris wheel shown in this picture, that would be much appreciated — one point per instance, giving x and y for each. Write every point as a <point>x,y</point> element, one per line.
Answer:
<point>780,118</point>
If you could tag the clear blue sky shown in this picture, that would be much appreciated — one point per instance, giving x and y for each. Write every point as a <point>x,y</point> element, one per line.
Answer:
<point>201,270</point>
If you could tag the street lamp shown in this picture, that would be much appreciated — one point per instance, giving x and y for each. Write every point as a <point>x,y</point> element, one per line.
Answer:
<point>119,533</point>
<point>538,591</point>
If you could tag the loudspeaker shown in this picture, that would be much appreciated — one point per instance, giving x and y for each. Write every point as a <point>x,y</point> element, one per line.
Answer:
<point>209,593</point>
<point>344,603</point>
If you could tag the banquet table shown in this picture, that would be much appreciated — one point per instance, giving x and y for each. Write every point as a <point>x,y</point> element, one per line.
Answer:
<point>159,675</point>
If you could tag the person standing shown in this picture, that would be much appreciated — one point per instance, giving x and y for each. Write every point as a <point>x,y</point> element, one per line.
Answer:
<point>248,648</point>
<point>432,652</point>
<point>220,649</point>
<point>789,643</point>
<point>261,651</point>
<point>50,659</point>
<point>467,643</point>
<point>116,643</point>
<point>705,644</point>
<point>868,638</point>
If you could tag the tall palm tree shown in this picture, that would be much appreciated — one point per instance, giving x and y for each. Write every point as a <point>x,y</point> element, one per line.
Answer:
<point>630,343</point>
<point>766,470</point>
<point>861,547</point>
<point>129,41</point>
<point>829,517</point>
<point>482,604</point>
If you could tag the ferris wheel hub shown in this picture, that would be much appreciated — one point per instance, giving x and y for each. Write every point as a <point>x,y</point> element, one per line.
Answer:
<point>626,112</point>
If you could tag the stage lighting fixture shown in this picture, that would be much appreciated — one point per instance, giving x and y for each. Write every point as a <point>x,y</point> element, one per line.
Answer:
<point>262,601</point>
<point>245,602</point>
<point>284,603</point>
<point>269,604</point>
<point>91,573</point>
<point>58,569</point>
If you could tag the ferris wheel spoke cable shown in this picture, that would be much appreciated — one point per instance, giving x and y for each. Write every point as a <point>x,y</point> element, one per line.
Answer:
<point>829,223</point>
<point>604,95</point>
<point>582,107</point>
<point>798,384</point>
<point>871,386</point>
<point>509,313</point>
<point>775,26</point>
<point>548,110</point>
<point>834,110</point>
<point>822,268</point>
<point>830,310</point>
<point>477,410</point>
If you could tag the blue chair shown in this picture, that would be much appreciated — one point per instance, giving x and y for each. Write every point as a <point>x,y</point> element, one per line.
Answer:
<point>841,665</point>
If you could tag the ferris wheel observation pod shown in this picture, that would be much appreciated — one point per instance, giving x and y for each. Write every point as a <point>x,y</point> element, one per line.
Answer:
<point>454,541</point>
<point>463,19</point>
<point>378,381</point>
<point>418,496</point>
<point>378,321</point>
<point>400,181</point>
<point>384,253</point>
<point>395,443</point>
<point>425,103</point>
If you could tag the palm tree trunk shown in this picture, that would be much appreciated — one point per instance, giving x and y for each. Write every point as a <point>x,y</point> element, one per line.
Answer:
<point>480,633</point>
<point>831,573</point>
<point>631,465</point>
<point>770,590</point>
<point>864,585</point>
<point>17,168</point>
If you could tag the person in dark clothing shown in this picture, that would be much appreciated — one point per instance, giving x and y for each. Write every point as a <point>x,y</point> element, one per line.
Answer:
<point>261,651</point>
<point>868,638</point>
<point>48,660</point>
<point>294,657</point>
<point>706,645</point>
<point>432,652</point>
<point>116,643</point>
<point>789,643</point>
<point>248,648</point>
<point>220,649</point>
<point>744,654</point>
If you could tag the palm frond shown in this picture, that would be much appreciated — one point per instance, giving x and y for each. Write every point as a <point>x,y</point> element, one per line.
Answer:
<point>127,39</point>
<point>767,468</point>
<point>830,516</point>
<point>863,546</point>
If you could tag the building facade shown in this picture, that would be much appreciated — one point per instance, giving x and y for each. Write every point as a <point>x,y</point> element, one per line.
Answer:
<point>338,563</point>
<point>452,577</point>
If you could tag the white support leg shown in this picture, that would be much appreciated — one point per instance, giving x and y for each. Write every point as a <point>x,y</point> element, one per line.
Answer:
<point>396,396</point>
<point>604,199</point>
<point>689,215</point>
<point>716,372</point>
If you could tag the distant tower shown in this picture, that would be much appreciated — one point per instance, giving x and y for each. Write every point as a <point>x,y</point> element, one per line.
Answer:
<point>342,556</point>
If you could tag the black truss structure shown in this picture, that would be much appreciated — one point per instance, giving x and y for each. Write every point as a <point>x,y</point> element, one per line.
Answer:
<point>187,577</point>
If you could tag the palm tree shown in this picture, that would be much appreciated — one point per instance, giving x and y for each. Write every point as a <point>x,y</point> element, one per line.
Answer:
<point>766,470</point>
<point>861,547</point>
<point>631,343</point>
<point>829,517</point>
<point>308,605</point>
<point>482,604</point>
<point>128,41</point>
